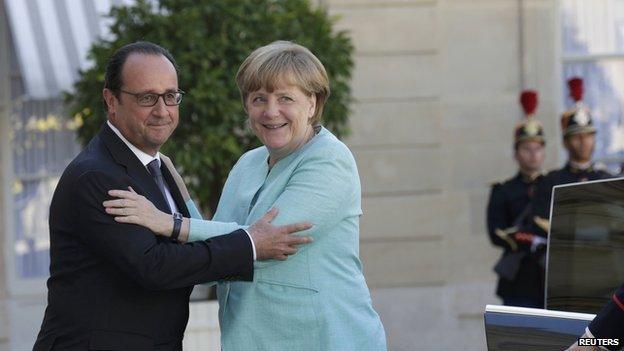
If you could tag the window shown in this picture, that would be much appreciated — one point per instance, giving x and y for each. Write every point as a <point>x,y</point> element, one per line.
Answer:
<point>42,143</point>
<point>593,48</point>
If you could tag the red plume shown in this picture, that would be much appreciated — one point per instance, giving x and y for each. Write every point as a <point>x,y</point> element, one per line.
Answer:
<point>528,99</point>
<point>575,84</point>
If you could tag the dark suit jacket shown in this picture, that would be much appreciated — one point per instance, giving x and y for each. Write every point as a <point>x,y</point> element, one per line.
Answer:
<point>609,322</point>
<point>118,286</point>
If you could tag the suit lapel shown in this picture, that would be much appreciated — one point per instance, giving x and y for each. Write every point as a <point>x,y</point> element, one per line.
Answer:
<point>135,169</point>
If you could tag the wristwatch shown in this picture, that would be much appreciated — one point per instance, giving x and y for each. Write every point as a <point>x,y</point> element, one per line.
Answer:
<point>177,225</point>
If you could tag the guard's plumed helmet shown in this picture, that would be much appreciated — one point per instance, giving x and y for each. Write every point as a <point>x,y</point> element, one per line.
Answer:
<point>530,128</point>
<point>577,119</point>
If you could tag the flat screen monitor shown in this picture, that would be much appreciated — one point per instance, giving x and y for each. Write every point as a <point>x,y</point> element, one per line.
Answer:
<point>529,329</point>
<point>585,258</point>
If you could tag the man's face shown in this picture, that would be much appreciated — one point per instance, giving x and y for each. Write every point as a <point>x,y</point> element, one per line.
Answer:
<point>530,155</point>
<point>148,128</point>
<point>580,146</point>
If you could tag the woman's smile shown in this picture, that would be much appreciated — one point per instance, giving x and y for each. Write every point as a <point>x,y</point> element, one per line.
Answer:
<point>274,126</point>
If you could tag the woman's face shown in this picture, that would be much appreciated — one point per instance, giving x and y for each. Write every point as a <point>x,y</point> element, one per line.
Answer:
<point>281,118</point>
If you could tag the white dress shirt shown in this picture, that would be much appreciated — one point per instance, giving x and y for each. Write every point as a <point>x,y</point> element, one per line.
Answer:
<point>145,160</point>
<point>589,334</point>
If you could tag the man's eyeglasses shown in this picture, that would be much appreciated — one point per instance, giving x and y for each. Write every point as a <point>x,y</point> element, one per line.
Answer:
<point>150,99</point>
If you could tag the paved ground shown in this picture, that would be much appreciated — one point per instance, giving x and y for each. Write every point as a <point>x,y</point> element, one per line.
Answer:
<point>425,318</point>
<point>20,320</point>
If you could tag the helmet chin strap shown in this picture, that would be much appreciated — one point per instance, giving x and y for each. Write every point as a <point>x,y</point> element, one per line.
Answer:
<point>581,164</point>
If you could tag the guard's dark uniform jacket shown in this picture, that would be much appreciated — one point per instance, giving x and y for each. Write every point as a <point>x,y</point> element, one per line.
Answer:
<point>529,281</point>
<point>509,207</point>
<point>540,205</point>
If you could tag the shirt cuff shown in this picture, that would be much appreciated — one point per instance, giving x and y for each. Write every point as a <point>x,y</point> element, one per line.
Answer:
<point>253,246</point>
<point>589,334</point>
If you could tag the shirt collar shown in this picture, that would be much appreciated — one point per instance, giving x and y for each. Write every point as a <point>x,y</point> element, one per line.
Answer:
<point>528,178</point>
<point>581,167</point>
<point>142,156</point>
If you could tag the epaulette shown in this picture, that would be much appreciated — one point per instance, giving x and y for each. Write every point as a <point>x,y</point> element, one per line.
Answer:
<point>541,175</point>
<point>551,172</point>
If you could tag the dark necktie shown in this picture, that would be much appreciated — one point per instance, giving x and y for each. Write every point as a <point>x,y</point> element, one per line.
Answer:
<point>154,170</point>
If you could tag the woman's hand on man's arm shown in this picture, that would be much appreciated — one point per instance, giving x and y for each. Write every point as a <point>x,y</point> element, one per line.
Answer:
<point>270,241</point>
<point>132,208</point>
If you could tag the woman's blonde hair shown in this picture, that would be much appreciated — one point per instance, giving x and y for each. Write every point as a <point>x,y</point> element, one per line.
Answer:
<point>284,61</point>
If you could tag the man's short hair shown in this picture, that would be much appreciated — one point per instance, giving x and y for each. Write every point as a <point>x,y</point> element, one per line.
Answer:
<point>114,66</point>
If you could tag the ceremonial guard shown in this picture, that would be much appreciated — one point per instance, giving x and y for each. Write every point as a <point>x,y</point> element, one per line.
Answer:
<point>509,212</point>
<point>579,141</point>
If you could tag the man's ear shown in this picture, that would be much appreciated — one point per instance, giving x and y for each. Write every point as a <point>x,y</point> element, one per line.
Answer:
<point>109,99</point>
<point>566,143</point>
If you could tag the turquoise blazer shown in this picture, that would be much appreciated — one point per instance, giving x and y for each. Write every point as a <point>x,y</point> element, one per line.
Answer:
<point>318,298</point>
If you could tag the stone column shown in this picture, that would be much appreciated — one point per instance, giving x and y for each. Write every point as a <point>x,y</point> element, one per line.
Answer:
<point>5,146</point>
<point>5,96</point>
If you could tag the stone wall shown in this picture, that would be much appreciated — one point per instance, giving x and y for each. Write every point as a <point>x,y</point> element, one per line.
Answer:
<point>436,86</point>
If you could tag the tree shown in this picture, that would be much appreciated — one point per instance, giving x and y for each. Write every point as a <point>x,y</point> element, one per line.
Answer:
<point>210,39</point>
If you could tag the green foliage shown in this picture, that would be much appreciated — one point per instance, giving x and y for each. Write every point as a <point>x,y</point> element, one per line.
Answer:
<point>210,39</point>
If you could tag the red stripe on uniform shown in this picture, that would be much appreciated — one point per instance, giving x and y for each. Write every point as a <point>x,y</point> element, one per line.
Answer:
<point>618,302</point>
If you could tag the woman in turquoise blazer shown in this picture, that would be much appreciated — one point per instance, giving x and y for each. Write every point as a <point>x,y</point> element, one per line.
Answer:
<point>318,298</point>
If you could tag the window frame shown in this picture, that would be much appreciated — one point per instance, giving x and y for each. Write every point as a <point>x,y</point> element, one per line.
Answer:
<point>562,60</point>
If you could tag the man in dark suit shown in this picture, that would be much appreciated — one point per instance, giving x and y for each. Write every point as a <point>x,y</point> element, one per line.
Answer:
<point>608,324</point>
<point>117,286</point>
